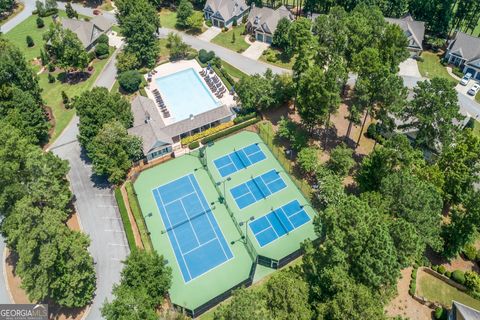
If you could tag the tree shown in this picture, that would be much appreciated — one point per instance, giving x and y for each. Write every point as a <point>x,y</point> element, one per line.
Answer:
<point>393,46</point>
<point>129,305</point>
<point>432,113</point>
<point>195,21</point>
<point>184,11</point>
<point>139,23</point>
<point>417,202</point>
<point>71,13</point>
<point>341,160</point>
<point>287,296</point>
<point>395,9</point>
<point>65,48</point>
<point>178,48</point>
<point>331,33</point>
<point>6,6</point>
<point>410,246</point>
<point>113,150</point>
<point>29,41</point>
<point>130,80</point>
<point>245,305</point>
<point>98,107</point>
<point>330,188</point>
<point>256,92</point>
<point>299,35</point>
<point>281,39</point>
<point>460,164</point>
<point>396,154</point>
<point>101,50</point>
<point>307,159</point>
<point>436,13</point>
<point>126,61</point>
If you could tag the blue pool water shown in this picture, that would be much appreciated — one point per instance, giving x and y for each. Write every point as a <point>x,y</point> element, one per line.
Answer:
<point>184,94</point>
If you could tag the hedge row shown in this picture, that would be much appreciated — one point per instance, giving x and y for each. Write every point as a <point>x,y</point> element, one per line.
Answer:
<point>137,215</point>
<point>244,118</point>
<point>203,134</point>
<point>126,222</point>
<point>413,282</point>
<point>194,145</point>
<point>228,131</point>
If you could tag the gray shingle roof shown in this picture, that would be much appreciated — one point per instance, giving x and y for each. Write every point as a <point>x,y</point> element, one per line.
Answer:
<point>266,19</point>
<point>227,8</point>
<point>467,312</point>
<point>414,30</point>
<point>466,46</point>
<point>87,31</point>
<point>148,124</point>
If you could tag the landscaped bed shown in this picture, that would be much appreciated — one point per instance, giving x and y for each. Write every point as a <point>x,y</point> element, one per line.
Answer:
<point>436,290</point>
<point>224,39</point>
<point>274,56</point>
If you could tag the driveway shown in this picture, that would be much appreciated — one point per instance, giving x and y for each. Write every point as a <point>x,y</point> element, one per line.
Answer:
<point>463,89</point>
<point>255,50</point>
<point>409,68</point>
<point>108,75</point>
<point>247,65</point>
<point>210,33</point>
<point>98,212</point>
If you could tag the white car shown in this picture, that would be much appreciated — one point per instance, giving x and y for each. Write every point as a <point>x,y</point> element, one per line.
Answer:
<point>474,89</point>
<point>466,78</point>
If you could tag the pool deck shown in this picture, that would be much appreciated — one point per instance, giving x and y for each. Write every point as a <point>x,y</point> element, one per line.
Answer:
<point>177,66</point>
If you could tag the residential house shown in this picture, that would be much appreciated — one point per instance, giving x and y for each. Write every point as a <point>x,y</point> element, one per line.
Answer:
<point>160,139</point>
<point>88,31</point>
<point>462,312</point>
<point>414,30</point>
<point>464,52</point>
<point>262,22</point>
<point>223,13</point>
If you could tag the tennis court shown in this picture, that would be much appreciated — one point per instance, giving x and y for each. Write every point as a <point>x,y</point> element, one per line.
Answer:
<point>194,234</point>
<point>257,188</point>
<point>239,159</point>
<point>278,223</point>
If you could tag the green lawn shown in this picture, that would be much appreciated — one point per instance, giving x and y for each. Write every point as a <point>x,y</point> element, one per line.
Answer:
<point>439,291</point>
<point>431,67</point>
<point>164,51</point>
<point>274,56</point>
<point>224,39</point>
<point>52,95</point>
<point>168,18</point>
<point>232,71</point>
<point>29,28</point>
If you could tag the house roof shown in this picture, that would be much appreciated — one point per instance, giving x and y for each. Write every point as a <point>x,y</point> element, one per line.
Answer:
<point>467,312</point>
<point>266,19</point>
<point>147,123</point>
<point>465,46</point>
<point>87,31</point>
<point>414,30</point>
<point>227,8</point>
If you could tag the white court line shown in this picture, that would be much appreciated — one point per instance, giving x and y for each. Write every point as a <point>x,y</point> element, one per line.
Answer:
<point>195,249</point>
<point>190,222</point>
<point>117,245</point>
<point>107,206</point>
<point>187,195</point>
<point>114,231</point>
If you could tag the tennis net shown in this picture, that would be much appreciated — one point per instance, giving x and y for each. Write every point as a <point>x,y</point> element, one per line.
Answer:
<point>189,219</point>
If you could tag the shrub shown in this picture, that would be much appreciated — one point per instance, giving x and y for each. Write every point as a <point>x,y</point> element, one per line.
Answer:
<point>40,23</point>
<point>470,252</point>
<point>448,274</point>
<point>472,281</point>
<point>194,145</point>
<point>91,55</point>
<point>44,58</point>
<point>210,131</point>
<point>30,42</point>
<point>51,78</point>
<point>441,269</point>
<point>234,23</point>
<point>208,23</point>
<point>229,131</point>
<point>244,18</point>
<point>130,80</point>
<point>244,118</point>
<point>191,55</point>
<point>458,276</point>
<point>103,39</point>
<point>101,49</point>
<point>434,268</point>
<point>65,98</point>
<point>51,67</point>
<point>440,313</point>
<point>205,56</point>
<point>413,283</point>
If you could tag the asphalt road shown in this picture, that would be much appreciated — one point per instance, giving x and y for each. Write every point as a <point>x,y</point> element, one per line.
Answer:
<point>98,214</point>
<point>26,12</point>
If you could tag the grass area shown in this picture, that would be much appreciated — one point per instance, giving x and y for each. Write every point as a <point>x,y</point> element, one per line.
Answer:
<point>126,222</point>
<point>431,67</point>
<point>168,18</point>
<point>117,29</point>
<point>439,291</point>
<point>29,28</point>
<point>275,57</point>
<point>19,6</point>
<point>224,39</point>
<point>477,97</point>
<point>164,51</point>
<point>137,214</point>
<point>52,95</point>
<point>476,127</point>
<point>235,73</point>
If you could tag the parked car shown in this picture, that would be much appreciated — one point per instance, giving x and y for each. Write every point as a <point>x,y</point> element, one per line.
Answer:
<point>466,78</point>
<point>474,89</point>
<point>97,12</point>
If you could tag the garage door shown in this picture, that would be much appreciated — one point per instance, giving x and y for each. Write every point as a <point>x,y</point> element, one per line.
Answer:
<point>268,39</point>
<point>470,70</point>
<point>260,37</point>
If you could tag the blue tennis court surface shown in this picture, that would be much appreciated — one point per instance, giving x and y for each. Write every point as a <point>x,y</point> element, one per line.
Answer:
<point>278,222</point>
<point>257,188</point>
<point>239,159</point>
<point>193,231</point>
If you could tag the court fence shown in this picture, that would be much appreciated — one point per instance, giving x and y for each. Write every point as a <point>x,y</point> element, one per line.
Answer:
<point>267,134</point>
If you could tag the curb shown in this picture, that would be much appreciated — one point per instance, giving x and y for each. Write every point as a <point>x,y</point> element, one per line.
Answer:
<point>4,257</point>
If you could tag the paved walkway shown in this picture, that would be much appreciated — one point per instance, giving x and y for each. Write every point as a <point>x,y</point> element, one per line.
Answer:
<point>255,50</point>
<point>210,33</point>
<point>247,65</point>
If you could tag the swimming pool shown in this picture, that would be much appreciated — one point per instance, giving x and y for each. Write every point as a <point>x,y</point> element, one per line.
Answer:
<point>185,94</point>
